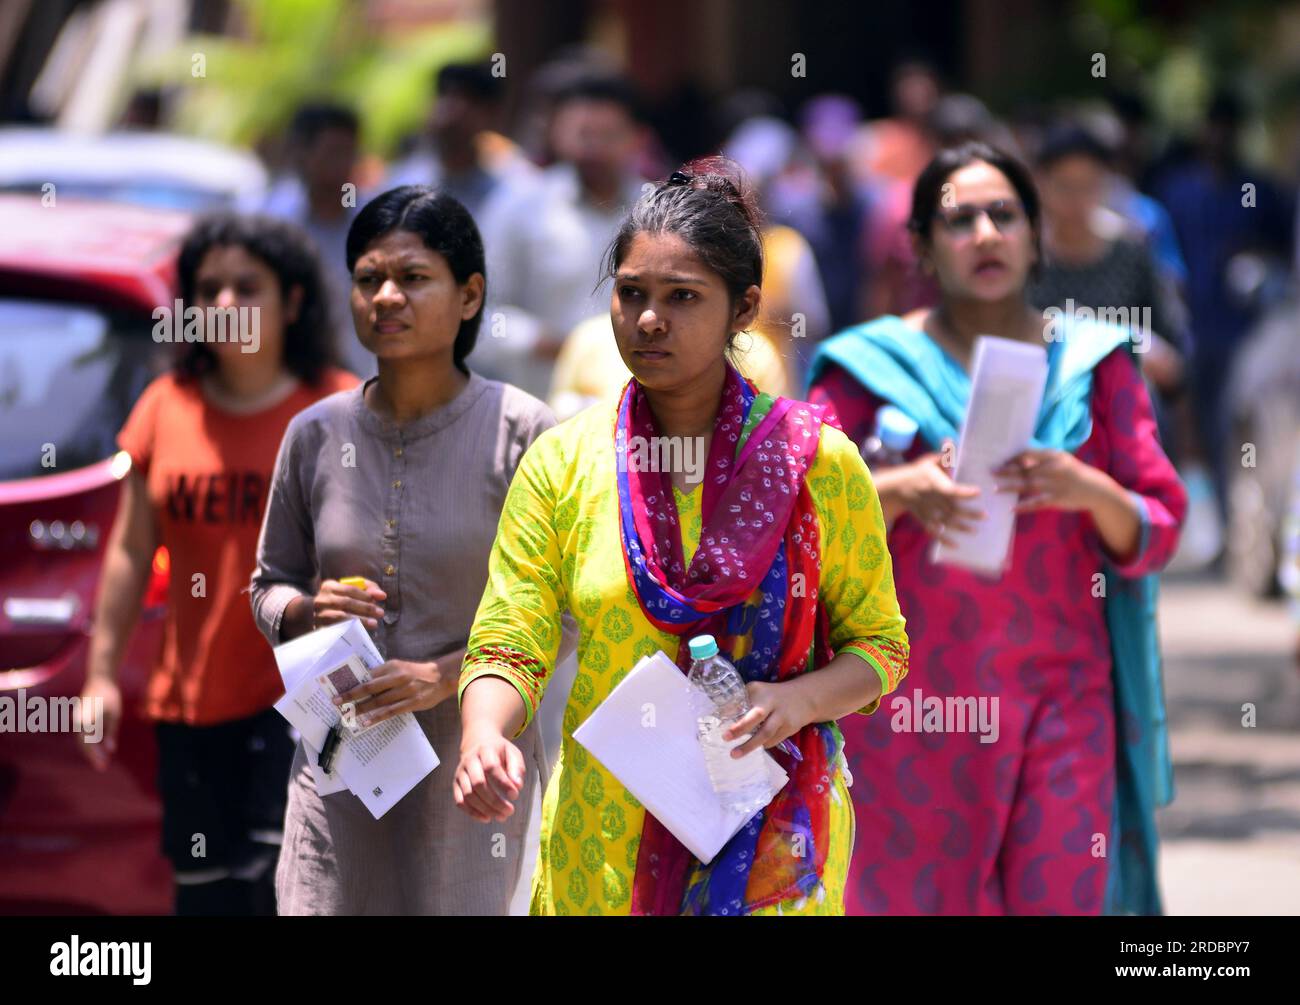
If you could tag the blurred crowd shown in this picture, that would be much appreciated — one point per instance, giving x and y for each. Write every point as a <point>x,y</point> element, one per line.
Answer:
<point>1175,237</point>
<point>1183,240</point>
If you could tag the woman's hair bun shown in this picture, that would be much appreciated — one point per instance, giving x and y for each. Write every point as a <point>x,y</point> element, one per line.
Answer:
<point>709,205</point>
<point>722,176</point>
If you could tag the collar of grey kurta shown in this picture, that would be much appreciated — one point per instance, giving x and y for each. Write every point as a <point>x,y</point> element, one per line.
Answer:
<point>425,425</point>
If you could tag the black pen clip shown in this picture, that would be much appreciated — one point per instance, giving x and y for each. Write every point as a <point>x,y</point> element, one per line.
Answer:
<point>329,751</point>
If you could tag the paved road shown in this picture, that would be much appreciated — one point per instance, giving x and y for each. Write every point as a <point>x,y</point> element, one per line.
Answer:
<point>1232,834</point>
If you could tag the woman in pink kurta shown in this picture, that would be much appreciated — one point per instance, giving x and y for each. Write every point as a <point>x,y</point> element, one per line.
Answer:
<point>1005,808</point>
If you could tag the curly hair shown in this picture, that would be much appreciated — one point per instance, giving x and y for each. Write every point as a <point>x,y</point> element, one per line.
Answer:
<point>289,253</point>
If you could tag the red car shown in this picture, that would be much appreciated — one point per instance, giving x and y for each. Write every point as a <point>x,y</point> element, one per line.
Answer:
<point>78,284</point>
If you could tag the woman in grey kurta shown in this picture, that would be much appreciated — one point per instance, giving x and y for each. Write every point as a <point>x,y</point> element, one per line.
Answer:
<point>401,482</point>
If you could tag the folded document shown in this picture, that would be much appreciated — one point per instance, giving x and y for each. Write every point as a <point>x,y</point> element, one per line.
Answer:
<point>645,734</point>
<point>379,764</point>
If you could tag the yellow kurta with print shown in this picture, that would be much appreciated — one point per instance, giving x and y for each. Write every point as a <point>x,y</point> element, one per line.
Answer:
<point>558,548</point>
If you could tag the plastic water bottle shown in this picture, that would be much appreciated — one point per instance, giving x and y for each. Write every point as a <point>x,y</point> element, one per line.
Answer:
<point>893,438</point>
<point>720,699</point>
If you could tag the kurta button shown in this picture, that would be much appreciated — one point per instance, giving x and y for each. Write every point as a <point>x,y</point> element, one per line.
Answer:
<point>397,484</point>
<point>397,452</point>
<point>389,570</point>
<point>391,524</point>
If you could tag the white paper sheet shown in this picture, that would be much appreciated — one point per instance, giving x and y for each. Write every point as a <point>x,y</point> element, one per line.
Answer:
<point>1007,382</point>
<point>380,764</point>
<point>644,734</point>
<point>312,715</point>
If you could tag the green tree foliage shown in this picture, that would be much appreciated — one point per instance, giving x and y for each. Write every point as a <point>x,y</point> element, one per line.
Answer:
<point>299,50</point>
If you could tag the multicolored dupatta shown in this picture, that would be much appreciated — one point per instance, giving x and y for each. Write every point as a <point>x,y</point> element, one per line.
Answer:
<point>753,584</point>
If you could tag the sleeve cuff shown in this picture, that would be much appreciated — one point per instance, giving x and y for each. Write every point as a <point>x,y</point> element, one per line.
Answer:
<point>269,606</point>
<point>1133,565</point>
<point>485,663</point>
<point>871,656</point>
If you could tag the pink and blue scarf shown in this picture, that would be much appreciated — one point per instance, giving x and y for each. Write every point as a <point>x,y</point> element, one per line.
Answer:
<point>753,584</point>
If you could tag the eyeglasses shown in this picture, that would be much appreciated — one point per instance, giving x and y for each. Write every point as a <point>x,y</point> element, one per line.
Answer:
<point>960,221</point>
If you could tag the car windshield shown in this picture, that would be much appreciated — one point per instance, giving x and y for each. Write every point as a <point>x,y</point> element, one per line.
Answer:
<point>69,375</point>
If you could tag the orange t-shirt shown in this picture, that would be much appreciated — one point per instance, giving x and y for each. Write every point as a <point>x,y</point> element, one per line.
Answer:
<point>208,473</point>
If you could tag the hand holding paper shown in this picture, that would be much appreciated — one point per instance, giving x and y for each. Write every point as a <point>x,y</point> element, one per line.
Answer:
<point>1007,383</point>
<point>1048,479</point>
<point>645,734</point>
<point>380,764</point>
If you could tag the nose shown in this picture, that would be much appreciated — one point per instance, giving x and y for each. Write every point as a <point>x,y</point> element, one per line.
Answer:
<point>389,293</point>
<point>650,322</point>
<point>226,297</point>
<point>985,230</point>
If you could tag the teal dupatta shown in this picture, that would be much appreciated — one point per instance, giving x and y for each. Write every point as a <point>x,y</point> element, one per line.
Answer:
<point>900,365</point>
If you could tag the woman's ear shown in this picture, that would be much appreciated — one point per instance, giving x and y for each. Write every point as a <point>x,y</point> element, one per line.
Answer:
<point>746,311</point>
<point>293,305</point>
<point>472,294</point>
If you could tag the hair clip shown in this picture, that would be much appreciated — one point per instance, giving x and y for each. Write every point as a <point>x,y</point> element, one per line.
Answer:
<point>679,178</point>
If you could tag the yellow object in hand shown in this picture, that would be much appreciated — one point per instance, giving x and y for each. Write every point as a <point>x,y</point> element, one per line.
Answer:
<point>358,581</point>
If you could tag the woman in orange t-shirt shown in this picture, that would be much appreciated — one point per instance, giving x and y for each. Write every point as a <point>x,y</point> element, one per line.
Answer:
<point>203,441</point>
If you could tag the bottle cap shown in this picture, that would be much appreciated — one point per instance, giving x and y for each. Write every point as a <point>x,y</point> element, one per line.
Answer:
<point>702,647</point>
<point>895,429</point>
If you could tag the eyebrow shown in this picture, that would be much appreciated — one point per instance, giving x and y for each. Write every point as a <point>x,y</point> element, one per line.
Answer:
<point>632,277</point>
<point>411,261</point>
<point>239,277</point>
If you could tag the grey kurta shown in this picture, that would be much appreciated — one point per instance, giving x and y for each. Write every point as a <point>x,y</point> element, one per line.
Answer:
<point>413,508</point>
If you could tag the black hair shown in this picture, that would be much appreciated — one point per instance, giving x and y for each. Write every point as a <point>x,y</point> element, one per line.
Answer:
<point>472,79</point>
<point>928,191</point>
<point>443,224</point>
<point>710,206</point>
<point>915,60</point>
<point>961,118</point>
<point>1072,141</point>
<point>1226,108</point>
<point>1129,106</point>
<point>598,86</point>
<point>313,118</point>
<point>290,254</point>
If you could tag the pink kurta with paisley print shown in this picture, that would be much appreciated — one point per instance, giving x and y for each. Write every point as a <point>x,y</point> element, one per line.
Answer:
<point>1013,819</point>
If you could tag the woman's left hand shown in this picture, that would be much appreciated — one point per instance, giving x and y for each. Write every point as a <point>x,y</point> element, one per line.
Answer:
<point>402,686</point>
<point>1048,479</point>
<point>777,711</point>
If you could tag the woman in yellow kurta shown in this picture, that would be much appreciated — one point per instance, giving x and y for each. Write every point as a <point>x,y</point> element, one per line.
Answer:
<point>766,532</point>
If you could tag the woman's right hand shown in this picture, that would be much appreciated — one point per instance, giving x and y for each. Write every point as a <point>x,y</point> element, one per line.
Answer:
<point>490,774</point>
<point>101,712</point>
<point>925,489</point>
<point>337,602</point>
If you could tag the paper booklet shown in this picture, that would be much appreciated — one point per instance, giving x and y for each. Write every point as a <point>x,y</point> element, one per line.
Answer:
<point>1007,382</point>
<point>645,735</point>
<point>379,765</point>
